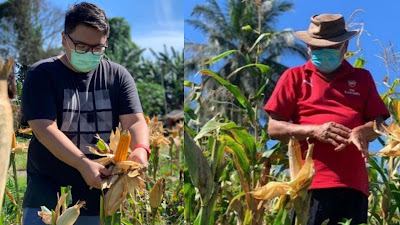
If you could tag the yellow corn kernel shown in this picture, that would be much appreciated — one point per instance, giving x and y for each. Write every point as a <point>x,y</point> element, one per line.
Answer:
<point>123,146</point>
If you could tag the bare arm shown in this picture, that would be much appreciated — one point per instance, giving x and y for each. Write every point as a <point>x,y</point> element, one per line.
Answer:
<point>47,132</point>
<point>332,133</point>
<point>139,130</point>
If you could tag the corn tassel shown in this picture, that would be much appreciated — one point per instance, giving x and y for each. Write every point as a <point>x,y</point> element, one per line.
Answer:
<point>123,146</point>
<point>70,215</point>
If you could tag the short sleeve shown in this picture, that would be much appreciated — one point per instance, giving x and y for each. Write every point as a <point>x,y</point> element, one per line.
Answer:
<point>374,106</point>
<point>38,99</point>
<point>129,101</point>
<point>283,99</point>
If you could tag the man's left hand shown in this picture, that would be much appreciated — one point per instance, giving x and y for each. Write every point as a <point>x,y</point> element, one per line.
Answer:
<point>359,139</point>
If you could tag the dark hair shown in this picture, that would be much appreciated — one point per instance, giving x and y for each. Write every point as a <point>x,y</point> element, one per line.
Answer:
<point>87,14</point>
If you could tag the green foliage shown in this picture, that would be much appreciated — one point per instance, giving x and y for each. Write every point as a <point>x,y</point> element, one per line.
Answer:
<point>152,98</point>
<point>242,30</point>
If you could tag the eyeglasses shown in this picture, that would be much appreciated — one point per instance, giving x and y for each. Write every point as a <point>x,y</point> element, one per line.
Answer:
<point>83,48</point>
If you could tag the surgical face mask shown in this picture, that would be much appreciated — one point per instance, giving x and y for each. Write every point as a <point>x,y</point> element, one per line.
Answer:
<point>326,60</point>
<point>84,62</point>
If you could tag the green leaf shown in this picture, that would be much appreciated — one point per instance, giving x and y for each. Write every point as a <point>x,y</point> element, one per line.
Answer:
<point>264,69</point>
<point>210,126</point>
<point>259,39</point>
<point>375,165</point>
<point>126,222</point>
<point>45,209</point>
<point>199,169</point>
<point>188,84</point>
<point>189,196</point>
<point>247,28</point>
<point>189,112</point>
<point>234,90</point>
<point>242,136</point>
<point>359,63</point>
<point>238,152</point>
<point>219,57</point>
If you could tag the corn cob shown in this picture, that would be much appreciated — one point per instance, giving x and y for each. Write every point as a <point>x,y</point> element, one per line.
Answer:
<point>6,125</point>
<point>123,146</point>
<point>70,215</point>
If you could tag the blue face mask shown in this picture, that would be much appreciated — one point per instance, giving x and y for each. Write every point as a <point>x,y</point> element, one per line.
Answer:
<point>326,60</point>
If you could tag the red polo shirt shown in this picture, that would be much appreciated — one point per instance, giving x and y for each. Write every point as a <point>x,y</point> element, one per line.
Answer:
<point>303,96</point>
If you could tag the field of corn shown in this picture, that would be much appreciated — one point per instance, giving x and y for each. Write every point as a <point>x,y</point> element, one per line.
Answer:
<point>235,175</point>
<point>135,195</point>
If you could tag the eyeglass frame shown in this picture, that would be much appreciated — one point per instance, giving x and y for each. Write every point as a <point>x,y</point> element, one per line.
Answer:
<point>91,47</point>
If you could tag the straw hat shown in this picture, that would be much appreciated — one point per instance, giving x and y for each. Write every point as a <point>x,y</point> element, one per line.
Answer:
<point>326,30</point>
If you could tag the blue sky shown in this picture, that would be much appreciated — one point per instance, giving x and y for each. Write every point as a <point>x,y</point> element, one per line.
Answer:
<point>153,22</point>
<point>380,20</point>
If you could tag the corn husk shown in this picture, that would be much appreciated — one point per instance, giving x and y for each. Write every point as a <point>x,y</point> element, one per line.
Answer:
<point>271,190</point>
<point>70,215</point>
<point>114,197</point>
<point>392,133</point>
<point>157,193</point>
<point>297,188</point>
<point>6,125</point>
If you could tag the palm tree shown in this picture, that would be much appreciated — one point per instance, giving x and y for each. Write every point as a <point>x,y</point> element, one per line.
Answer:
<point>223,29</point>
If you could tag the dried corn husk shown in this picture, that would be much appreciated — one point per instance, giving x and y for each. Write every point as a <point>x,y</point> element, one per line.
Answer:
<point>392,147</point>
<point>6,125</point>
<point>271,190</point>
<point>295,161</point>
<point>70,215</point>
<point>114,197</point>
<point>157,193</point>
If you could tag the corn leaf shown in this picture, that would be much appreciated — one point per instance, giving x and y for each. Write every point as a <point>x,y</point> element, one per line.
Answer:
<point>234,90</point>
<point>242,136</point>
<point>210,126</point>
<point>238,151</point>
<point>359,63</point>
<point>219,57</point>
<point>189,195</point>
<point>263,35</point>
<point>199,169</point>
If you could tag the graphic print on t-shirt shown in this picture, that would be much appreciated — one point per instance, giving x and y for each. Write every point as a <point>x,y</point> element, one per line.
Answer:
<point>86,114</point>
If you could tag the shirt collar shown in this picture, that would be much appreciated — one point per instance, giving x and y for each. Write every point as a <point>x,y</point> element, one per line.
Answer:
<point>345,68</point>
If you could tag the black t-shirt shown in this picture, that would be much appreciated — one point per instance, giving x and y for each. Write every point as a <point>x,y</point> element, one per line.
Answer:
<point>82,104</point>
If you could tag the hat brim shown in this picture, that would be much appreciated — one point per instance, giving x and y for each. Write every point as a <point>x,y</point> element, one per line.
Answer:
<point>305,37</point>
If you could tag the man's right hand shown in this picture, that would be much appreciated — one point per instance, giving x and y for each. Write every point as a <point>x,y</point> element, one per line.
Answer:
<point>332,133</point>
<point>92,172</point>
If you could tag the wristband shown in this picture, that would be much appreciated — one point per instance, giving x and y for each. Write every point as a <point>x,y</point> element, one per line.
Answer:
<point>145,147</point>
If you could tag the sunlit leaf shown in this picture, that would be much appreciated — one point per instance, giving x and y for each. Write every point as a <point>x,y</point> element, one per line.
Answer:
<point>219,57</point>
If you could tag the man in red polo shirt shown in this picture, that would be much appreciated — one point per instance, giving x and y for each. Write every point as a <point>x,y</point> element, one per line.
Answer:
<point>333,104</point>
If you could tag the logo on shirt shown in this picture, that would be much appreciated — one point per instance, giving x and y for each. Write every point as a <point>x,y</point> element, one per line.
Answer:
<point>352,83</point>
<point>308,82</point>
<point>352,92</point>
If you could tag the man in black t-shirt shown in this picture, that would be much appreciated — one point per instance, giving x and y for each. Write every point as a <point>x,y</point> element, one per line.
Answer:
<point>68,99</point>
